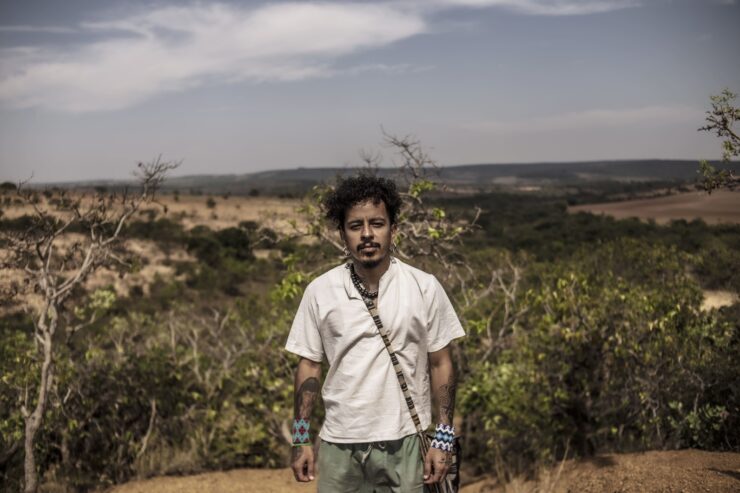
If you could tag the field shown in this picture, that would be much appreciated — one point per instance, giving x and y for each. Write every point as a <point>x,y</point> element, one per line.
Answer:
<point>718,208</point>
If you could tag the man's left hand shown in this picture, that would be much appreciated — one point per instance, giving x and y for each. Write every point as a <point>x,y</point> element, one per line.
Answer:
<point>436,464</point>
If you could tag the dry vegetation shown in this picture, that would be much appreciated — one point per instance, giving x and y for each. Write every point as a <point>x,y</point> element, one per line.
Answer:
<point>153,260</point>
<point>227,212</point>
<point>193,210</point>
<point>720,207</point>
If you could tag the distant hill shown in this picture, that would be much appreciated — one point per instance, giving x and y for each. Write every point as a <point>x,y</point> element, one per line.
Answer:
<point>471,175</point>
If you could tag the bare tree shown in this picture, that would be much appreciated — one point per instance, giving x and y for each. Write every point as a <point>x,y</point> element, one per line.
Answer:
<point>56,273</point>
<point>424,230</point>
<point>428,231</point>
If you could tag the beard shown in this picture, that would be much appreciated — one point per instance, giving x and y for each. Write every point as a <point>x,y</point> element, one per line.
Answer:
<point>374,262</point>
<point>371,264</point>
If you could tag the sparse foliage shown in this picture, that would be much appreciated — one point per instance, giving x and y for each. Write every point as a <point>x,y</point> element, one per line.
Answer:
<point>57,274</point>
<point>721,120</point>
<point>425,233</point>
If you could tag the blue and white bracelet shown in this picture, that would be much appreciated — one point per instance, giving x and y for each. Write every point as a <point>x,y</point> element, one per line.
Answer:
<point>444,438</point>
<point>300,432</point>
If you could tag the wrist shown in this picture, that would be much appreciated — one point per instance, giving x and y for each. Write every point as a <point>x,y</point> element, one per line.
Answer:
<point>300,432</point>
<point>444,438</point>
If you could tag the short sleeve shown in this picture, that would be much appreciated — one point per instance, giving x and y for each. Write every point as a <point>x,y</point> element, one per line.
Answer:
<point>442,322</point>
<point>304,338</point>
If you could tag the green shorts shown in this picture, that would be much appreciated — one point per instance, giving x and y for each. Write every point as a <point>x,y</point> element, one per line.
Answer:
<point>390,466</point>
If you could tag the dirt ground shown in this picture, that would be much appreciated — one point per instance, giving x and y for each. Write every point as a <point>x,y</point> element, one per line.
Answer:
<point>683,471</point>
<point>720,207</point>
<point>718,299</point>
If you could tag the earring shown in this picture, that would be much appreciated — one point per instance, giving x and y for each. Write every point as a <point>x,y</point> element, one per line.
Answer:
<point>345,251</point>
<point>394,248</point>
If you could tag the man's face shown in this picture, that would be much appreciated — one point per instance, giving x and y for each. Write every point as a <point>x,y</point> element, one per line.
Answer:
<point>367,232</point>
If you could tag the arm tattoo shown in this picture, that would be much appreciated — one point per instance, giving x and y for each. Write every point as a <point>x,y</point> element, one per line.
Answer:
<point>447,400</point>
<point>305,397</point>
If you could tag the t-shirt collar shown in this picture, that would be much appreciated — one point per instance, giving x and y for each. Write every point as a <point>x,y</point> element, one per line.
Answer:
<point>387,277</point>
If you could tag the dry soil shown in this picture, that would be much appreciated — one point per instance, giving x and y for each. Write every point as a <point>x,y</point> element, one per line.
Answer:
<point>720,207</point>
<point>683,471</point>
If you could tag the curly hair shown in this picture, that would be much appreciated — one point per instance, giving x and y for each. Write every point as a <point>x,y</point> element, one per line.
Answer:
<point>357,189</point>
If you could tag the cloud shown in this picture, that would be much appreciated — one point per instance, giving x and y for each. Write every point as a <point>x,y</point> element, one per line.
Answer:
<point>134,57</point>
<point>591,119</point>
<point>546,7</point>
<point>176,48</point>
<point>38,29</point>
<point>399,68</point>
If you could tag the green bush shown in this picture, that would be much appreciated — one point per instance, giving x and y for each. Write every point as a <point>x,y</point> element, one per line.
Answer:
<point>162,230</point>
<point>18,370</point>
<point>611,351</point>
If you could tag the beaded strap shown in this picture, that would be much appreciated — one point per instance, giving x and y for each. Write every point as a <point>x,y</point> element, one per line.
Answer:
<point>300,432</point>
<point>372,307</point>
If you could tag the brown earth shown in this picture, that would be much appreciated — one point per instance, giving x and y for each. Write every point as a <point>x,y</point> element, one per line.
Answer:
<point>718,299</point>
<point>681,471</point>
<point>720,207</point>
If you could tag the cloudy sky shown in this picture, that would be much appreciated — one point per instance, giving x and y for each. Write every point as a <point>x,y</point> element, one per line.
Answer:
<point>90,87</point>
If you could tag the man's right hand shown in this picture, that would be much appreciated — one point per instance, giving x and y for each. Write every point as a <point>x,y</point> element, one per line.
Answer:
<point>302,463</point>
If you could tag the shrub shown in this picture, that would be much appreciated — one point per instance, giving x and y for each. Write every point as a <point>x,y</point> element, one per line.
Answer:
<point>603,356</point>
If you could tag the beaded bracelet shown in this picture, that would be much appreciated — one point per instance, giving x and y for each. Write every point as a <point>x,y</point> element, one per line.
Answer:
<point>444,437</point>
<point>300,432</point>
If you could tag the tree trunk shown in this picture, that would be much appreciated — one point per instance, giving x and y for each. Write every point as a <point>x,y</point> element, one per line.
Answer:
<point>33,421</point>
<point>29,463</point>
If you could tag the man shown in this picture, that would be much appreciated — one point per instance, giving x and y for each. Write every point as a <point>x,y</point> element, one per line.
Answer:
<point>368,439</point>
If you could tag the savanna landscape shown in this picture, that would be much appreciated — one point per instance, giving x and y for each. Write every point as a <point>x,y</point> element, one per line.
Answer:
<point>569,171</point>
<point>602,321</point>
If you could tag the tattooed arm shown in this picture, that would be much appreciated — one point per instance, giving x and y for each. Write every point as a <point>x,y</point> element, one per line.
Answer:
<point>444,384</point>
<point>444,387</point>
<point>306,392</point>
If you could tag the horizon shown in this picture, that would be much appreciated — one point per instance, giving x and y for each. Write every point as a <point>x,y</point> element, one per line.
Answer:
<point>131,179</point>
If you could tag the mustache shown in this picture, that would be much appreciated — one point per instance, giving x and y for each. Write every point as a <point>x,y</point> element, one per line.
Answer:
<point>367,245</point>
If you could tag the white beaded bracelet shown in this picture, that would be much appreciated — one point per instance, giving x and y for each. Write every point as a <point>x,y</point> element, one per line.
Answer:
<point>444,437</point>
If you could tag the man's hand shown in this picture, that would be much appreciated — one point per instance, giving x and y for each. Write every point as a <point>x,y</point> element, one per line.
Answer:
<point>436,464</point>
<point>302,463</point>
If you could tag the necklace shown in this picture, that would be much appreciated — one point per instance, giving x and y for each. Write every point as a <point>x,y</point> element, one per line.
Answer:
<point>358,284</point>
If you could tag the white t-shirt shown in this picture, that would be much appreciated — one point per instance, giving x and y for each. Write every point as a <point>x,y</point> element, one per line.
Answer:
<point>362,398</point>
